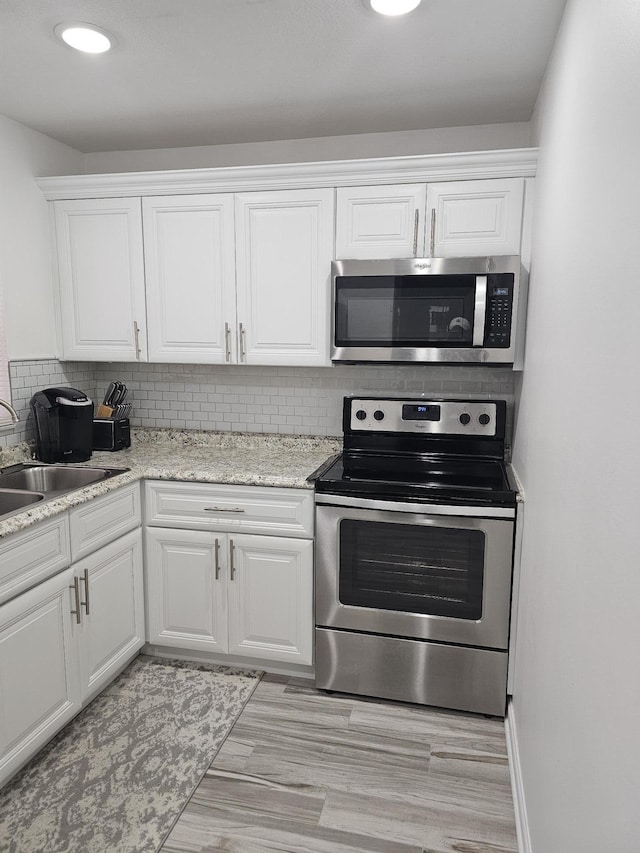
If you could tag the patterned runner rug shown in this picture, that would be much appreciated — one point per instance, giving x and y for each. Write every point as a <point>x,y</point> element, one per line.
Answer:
<point>117,776</point>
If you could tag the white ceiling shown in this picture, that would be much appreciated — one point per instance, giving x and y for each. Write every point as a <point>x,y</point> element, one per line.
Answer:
<point>207,72</point>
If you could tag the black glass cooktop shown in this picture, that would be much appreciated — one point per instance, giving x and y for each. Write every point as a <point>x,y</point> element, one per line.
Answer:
<point>424,479</point>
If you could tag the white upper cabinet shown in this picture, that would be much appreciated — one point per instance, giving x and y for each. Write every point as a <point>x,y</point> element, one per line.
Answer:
<point>284,248</point>
<point>448,219</point>
<point>475,218</point>
<point>190,275</point>
<point>101,279</point>
<point>380,222</point>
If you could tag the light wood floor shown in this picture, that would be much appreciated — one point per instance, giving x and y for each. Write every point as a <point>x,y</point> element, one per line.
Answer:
<point>314,773</point>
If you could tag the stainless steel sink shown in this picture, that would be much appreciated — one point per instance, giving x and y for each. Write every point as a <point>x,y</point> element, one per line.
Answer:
<point>12,502</point>
<point>28,483</point>
<point>53,479</point>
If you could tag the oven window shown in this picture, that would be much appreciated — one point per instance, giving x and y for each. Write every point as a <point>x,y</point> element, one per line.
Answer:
<point>413,311</point>
<point>435,571</point>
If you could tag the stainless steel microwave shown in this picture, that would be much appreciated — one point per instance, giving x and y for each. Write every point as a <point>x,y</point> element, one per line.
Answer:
<point>444,310</point>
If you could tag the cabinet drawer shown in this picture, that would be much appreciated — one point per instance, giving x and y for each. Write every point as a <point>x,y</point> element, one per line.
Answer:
<point>31,556</point>
<point>212,506</point>
<point>104,519</point>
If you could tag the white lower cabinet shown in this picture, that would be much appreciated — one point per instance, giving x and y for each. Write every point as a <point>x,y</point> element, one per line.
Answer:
<point>230,593</point>
<point>186,594</point>
<point>110,593</point>
<point>270,596</point>
<point>64,639</point>
<point>39,672</point>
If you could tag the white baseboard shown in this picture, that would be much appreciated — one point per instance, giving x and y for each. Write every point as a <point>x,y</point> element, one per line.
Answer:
<point>522,823</point>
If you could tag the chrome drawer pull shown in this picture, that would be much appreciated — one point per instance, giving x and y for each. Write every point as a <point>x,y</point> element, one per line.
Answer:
<point>223,509</point>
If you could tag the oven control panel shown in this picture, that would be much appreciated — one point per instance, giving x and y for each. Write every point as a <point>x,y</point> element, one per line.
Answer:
<point>440,417</point>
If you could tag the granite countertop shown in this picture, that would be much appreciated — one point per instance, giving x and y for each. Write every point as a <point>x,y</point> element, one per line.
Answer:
<point>206,457</point>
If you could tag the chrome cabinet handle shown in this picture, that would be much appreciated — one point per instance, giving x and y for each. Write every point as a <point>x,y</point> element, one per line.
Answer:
<point>227,341</point>
<point>243,351</point>
<point>76,594</point>
<point>136,330</point>
<point>232,568</point>
<point>416,219</point>
<point>223,509</point>
<point>86,591</point>
<point>216,552</point>
<point>432,240</point>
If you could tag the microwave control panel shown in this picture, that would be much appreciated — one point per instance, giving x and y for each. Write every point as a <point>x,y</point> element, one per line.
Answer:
<point>499,313</point>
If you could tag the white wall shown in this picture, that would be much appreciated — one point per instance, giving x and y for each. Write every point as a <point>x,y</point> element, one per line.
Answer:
<point>442,140</point>
<point>25,253</point>
<point>577,690</point>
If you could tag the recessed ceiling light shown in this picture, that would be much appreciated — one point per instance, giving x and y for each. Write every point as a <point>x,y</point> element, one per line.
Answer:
<point>394,7</point>
<point>85,37</point>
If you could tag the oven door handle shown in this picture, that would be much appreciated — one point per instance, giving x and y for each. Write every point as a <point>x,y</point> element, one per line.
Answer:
<point>421,509</point>
<point>480,311</point>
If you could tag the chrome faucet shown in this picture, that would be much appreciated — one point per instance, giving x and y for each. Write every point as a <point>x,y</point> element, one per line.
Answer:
<point>11,410</point>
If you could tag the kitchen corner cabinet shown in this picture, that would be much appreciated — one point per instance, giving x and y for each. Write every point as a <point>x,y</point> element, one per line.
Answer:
<point>284,249</point>
<point>189,250</point>
<point>39,674</point>
<point>444,219</point>
<point>216,583</point>
<point>109,623</point>
<point>101,279</point>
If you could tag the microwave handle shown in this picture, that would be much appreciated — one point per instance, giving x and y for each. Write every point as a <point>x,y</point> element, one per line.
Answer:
<point>480,311</point>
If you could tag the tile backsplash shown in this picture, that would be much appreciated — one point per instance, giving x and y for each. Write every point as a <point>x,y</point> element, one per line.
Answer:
<point>291,400</point>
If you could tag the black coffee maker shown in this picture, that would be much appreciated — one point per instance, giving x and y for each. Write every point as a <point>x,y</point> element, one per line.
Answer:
<point>64,425</point>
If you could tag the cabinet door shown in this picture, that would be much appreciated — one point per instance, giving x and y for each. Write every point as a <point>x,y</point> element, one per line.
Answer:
<point>112,610</point>
<point>380,222</point>
<point>186,589</point>
<point>189,253</point>
<point>101,279</point>
<point>39,678</point>
<point>271,598</point>
<point>284,248</point>
<point>475,218</point>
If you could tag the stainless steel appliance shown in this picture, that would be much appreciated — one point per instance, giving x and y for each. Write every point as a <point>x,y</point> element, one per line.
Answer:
<point>446,310</point>
<point>64,425</point>
<point>414,549</point>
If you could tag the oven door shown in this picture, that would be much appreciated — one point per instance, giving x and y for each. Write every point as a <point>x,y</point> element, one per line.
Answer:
<point>422,575</point>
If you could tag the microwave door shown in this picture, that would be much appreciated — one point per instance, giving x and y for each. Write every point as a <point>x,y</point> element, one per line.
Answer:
<point>480,311</point>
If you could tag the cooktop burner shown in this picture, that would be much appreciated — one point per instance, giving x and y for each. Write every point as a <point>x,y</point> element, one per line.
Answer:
<point>423,452</point>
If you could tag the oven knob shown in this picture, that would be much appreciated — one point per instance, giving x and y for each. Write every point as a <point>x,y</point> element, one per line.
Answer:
<point>378,415</point>
<point>464,418</point>
<point>361,414</point>
<point>484,419</point>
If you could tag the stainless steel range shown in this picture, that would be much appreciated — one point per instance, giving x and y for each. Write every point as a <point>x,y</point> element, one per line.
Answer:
<point>414,549</point>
